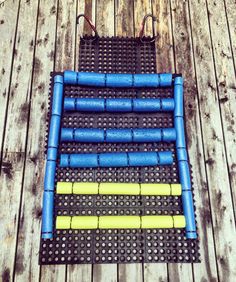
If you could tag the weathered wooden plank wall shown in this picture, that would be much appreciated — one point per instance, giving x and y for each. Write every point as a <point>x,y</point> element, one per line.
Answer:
<point>196,38</point>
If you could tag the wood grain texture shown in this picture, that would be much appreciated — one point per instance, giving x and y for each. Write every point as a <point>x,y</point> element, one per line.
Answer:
<point>230,9</point>
<point>124,18</point>
<point>8,26</point>
<point>142,8</point>
<point>10,194</point>
<point>185,65</point>
<point>26,263</point>
<point>164,42</point>
<point>226,84</point>
<point>214,150</point>
<point>130,272</point>
<point>105,22</point>
<point>65,40</point>
<point>53,273</point>
<point>105,273</point>
<point>20,88</point>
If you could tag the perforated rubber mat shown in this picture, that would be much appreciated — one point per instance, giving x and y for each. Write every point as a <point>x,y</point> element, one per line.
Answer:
<point>128,245</point>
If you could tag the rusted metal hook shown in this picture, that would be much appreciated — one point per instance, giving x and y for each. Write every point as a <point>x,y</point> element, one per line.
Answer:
<point>141,33</point>
<point>92,26</point>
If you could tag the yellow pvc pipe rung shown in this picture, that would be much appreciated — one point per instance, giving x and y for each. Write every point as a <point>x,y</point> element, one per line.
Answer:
<point>63,222</point>
<point>157,221</point>
<point>85,188</point>
<point>84,222</point>
<point>155,189</point>
<point>92,188</point>
<point>119,188</point>
<point>176,189</point>
<point>64,187</point>
<point>120,222</point>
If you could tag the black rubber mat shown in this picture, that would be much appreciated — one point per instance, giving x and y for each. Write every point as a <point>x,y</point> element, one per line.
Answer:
<point>117,246</point>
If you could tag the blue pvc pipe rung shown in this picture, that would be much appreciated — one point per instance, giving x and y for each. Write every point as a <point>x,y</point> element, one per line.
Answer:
<point>182,154</point>
<point>188,208</point>
<point>49,178</point>
<point>116,159</point>
<point>90,105</point>
<point>139,135</point>
<point>93,135</point>
<point>47,215</point>
<point>146,80</point>
<point>119,135</point>
<point>118,79</point>
<point>119,104</point>
<point>147,135</point>
<point>143,159</point>
<point>91,79</point>
<point>146,105</point>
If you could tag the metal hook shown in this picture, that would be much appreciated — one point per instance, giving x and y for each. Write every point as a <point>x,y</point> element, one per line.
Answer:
<point>92,26</point>
<point>141,33</point>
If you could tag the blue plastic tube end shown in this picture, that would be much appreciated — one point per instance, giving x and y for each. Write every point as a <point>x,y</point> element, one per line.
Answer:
<point>168,134</point>
<point>57,99</point>
<point>178,96</point>
<point>47,215</point>
<point>67,134</point>
<point>70,77</point>
<point>64,160</point>
<point>165,158</point>
<point>165,79</point>
<point>69,104</point>
<point>188,209</point>
<point>58,79</point>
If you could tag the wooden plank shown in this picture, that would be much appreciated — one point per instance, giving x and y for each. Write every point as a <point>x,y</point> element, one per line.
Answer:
<point>230,7</point>
<point>142,8</point>
<point>65,41</point>
<point>216,165</point>
<point>105,22</point>
<point>26,264</point>
<point>104,273</point>
<point>130,272</point>
<point>10,194</point>
<point>8,26</point>
<point>53,273</point>
<point>180,272</point>
<point>20,89</point>
<point>164,43</point>
<point>226,85</point>
<point>83,271</point>
<point>184,64</point>
<point>155,272</point>
<point>124,18</point>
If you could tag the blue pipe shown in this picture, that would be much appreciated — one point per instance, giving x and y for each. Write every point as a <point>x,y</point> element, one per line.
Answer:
<point>50,170</point>
<point>116,159</point>
<point>119,104</point>
<point>139,135</point>
<point>184,170</point>
<point>118,79</point>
